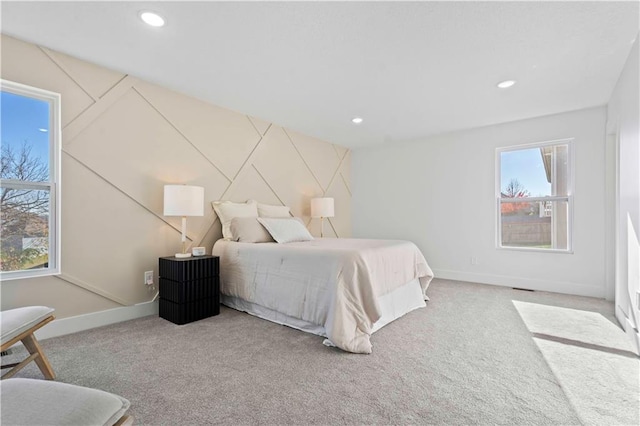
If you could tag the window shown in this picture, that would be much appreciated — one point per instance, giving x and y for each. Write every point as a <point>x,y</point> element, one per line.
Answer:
<point>534,196</point>
<point>29,181</point>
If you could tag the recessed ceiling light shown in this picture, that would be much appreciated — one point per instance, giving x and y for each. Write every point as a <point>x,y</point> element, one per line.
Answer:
<point>43,130</point>
<point>357,120</point>
<point>152,18</point>
<point>506,83</point>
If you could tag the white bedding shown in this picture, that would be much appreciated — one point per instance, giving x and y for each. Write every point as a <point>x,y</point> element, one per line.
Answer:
<point>334,283</point>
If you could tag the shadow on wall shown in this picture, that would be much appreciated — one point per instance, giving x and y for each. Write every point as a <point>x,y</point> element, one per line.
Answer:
<point>633,272</point>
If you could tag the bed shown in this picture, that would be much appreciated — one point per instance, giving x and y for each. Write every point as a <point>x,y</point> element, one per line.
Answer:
<point>342,289</point>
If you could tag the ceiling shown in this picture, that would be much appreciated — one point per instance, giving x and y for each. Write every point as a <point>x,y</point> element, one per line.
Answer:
<point>409,69</point>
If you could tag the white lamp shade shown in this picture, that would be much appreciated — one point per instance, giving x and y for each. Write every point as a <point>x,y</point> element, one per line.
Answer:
<point>183,200</point>
<point>322,207</point>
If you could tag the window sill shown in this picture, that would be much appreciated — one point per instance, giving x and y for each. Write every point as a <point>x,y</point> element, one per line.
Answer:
<point>535,250</point>
<point>18,275</point>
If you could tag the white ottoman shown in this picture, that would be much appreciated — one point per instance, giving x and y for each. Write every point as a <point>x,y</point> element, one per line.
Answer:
<point>41,402</point>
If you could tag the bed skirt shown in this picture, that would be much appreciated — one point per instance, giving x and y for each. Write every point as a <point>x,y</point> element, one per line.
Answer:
<point>393,305</point>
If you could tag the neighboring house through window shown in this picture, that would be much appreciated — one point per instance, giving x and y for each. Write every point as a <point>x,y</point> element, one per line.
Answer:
<point>534,195</point>
<point>29,181</point>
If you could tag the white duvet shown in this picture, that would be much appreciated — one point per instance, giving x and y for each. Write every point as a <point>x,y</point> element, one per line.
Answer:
<point>333,282</point>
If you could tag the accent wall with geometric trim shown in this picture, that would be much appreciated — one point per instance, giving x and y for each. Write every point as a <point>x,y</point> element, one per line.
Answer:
<point>123,139</point>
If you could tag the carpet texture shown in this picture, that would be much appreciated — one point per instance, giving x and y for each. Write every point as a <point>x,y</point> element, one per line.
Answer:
<point>469,357</point>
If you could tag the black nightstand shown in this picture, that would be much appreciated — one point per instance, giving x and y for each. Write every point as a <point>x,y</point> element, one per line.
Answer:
<point>189,288</point>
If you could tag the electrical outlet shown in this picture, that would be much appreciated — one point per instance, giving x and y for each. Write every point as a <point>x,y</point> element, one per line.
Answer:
<point>474,261</point>
<point>148,278</point>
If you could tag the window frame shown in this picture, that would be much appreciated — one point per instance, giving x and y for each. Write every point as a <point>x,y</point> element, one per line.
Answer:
<point>568,198</point>
<point>53,185</point>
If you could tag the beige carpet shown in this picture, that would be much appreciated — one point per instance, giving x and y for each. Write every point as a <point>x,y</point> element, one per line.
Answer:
<point>476,354</point>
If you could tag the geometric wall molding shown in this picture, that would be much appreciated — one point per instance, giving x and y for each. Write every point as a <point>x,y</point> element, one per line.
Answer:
<point>87,286</point>
<point>123,139</point>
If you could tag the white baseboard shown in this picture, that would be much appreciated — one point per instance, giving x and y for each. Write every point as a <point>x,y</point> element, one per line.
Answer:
<point>526,283</point>
<point>60,327</point>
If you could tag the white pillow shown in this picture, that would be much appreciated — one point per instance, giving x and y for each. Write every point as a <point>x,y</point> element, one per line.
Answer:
<point>226,210</point>
<point>249,230</point>
<point>267,210</point>
<point>286,230</point>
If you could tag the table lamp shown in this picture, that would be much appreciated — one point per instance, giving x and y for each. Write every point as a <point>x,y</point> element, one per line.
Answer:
<point>322,207</point>
<point>183,200</point>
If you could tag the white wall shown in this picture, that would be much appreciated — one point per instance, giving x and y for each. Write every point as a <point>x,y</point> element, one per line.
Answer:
<point>623,122</point>
<point>439,193</point>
